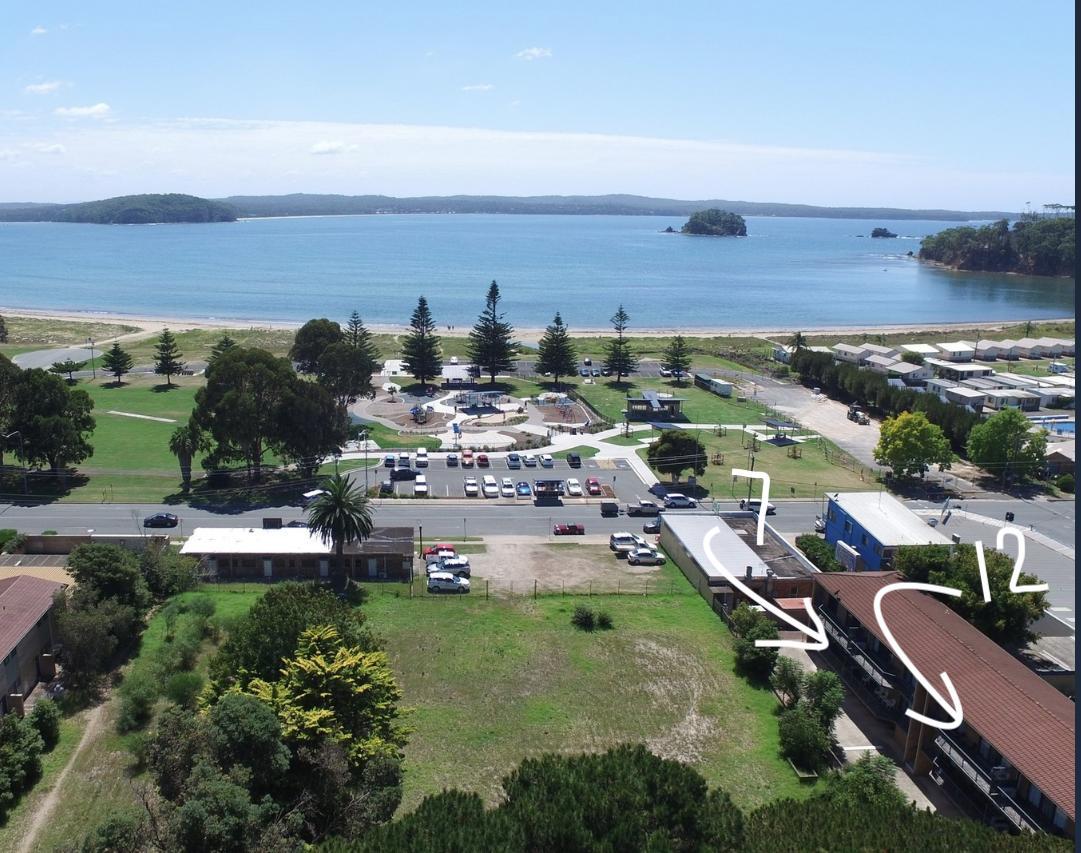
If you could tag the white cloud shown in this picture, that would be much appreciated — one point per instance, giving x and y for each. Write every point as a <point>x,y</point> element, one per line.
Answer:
<point>223,156</point>
<point>531,53</point>
<point>331,147</point>
<point>8,154</point>
<point>47,147</point>
<point>95,111</point>
<point>478,87</point>
<point>46,88</point>
<point>38,31</point>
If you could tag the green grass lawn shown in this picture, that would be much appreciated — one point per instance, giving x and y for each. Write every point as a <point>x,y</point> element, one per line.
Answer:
<point>805,477</point>
<point>625,440</point>
<point>494,682</point>
<point>584,451</point>
<point>389,439</point>
<point>196,344</point>
<point>700,406</point>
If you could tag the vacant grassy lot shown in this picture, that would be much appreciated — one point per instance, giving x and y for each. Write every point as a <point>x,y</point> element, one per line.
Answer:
<point>582,450</point>
<point>105,777</point>
<point>497,681</point>
<point>807,476</point>
<point>610,398</point>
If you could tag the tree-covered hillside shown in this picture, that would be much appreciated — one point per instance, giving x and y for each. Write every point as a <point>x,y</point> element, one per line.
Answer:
<point>716,223</point>
<point>1035,247</point>
<point>127,210</point>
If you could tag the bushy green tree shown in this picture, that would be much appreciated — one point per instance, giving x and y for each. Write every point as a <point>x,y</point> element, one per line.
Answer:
<point>869,781</point>
<point>311,341</point>
<point>909,444</point>
<point>555,351</point>
<point>421,352</point>
<point>754,661</point>
<point>45,718</point>
<point>167,357</point>
<point>117,361</point>
<point>67,367</point>
<point>823,696</point>
<point>1006,445</point>
<point>311,426</point>
<point>258,642</point>
<point>787,680</point>
<point>346,371</point>
<point>677,357</point>
<point>20,759</point>
<point>716,222</point>
<point>224,344</point>
<point>491,342</point>
<point>111,572</point>
<point>1006,617</point>
<point>803,739</point>
<point>677,451</point>
<point>53,419</point>
<point>819,552</point>
<point>244,732</point>
<point>341,516</point>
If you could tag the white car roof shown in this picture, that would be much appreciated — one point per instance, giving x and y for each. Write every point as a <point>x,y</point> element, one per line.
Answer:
<point>676,495</point>
<point>623,534</point>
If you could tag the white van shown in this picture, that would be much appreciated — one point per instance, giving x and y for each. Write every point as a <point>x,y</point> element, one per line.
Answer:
<point>421,460</point>
<point>420,486</point>
<point>755,504</point>
<point>490,487</point>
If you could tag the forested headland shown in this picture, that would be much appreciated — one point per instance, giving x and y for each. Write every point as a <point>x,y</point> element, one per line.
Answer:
<point>1032,246</point>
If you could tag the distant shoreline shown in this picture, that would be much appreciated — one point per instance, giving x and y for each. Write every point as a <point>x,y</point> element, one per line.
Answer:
<point>525,334</point>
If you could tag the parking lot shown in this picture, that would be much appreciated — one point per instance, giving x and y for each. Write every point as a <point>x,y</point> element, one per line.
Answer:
<point>618,480</point>
<point>646,368</point>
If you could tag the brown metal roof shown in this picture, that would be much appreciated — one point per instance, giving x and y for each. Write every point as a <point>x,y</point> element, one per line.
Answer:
<point>1022,716</point>
<point>23,601</point>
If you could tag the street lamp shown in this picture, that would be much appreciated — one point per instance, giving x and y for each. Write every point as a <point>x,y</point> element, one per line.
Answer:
<point>22,457</point>
<point>93,365</point>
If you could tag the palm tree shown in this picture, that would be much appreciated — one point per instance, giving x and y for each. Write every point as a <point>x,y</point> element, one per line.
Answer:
<point>184,443</point>
<point>343,514</point>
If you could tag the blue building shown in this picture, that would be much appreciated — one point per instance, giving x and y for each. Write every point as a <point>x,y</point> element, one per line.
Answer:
<point>866,528</point>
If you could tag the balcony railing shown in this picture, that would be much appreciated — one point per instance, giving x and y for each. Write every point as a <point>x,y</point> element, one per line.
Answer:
<point>993,788</point>
<point>861,656</point>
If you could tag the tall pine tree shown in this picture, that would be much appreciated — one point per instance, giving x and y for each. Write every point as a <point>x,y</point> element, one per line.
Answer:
<point>222,346</point>
<point>556,353</point>
<point>421,353</point>
<point>360,339</point>
<point>619,359</point>
<point>490,345</point>
<point>117,361</point>
<point>167,354</point>
<point>677,358</point>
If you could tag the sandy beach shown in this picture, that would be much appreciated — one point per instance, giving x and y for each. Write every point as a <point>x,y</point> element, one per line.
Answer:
<point>526,335</point>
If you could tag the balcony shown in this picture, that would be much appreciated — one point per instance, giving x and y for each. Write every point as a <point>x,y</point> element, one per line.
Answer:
<point>861,656</point>
<point>995,783</point>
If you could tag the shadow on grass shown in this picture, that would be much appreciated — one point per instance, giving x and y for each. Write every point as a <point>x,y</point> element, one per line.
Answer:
<point>42,487</point>
<point>164,388</point>
<point>232,494</point>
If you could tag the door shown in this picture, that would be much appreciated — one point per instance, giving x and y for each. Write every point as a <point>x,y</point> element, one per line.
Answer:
<point>373,567</point>
<point>268,567</point>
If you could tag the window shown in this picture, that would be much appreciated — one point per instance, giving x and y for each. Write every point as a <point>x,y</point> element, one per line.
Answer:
<point>1034,795</point>
<point>864,538</point>
<point>848,526</point>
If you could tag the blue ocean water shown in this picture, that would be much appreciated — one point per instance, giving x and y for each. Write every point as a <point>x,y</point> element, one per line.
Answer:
<point>789,272</point>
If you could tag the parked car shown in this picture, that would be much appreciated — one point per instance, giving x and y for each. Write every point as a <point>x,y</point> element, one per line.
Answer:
<point>482,460</point>
<point>623,542</point>
<point>422,457</point>
<point>674,500</point>
<point>467,458</point>
<point>514,461</point>
<point>403,474</point>
<point>161,519</point>
<point>438,557</point>
<point>446,582</point>
<point>652,526</point>
<point>452,460</point>
<point>593,485</point>
<point>609,509</point>
<point>506,487</point>
<point>606,372</point>
<point>388,460</point>
<point>529,460</point>
<point>587,361</point>
<point>574,488</point>
<point>665,371</point>
<point>296,522</point>
<point>436,548</point>
<point>574,460</point>
<point>308,498</point>
<point>645,557</point>
<point>547,461</point>
<point>386,487</point>
<point>584,371</point>
<point>643,508</point>
<point>490,487</point>
<point>403,460</point>
<point>820,524</point>
<point>755,505</point>
<point>471,487</point>
<point>568,530</point>
<point>523,489</point>
<point>457,566</point>
<point>420,486</point>
<point>595,372</point>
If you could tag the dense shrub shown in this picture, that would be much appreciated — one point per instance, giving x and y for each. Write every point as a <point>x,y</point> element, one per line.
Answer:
<point>20,758</point>
<point>818,551</point>
<point>604,620</point>
<point>7,535</point>
<point>183,688</point>
<point>803,740</point>
<point>138,694</point>
<point>583,618</point>
<point>753,661</point>
<point>1065,483</point>
<point>45,718</point>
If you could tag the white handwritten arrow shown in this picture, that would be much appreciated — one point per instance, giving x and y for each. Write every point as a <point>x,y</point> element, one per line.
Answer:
<point>819,639</point>
<point>953,706</point>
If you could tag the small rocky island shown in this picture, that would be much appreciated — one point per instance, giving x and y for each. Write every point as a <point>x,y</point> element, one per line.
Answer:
<point>715,223</point>
<point>882,232</point>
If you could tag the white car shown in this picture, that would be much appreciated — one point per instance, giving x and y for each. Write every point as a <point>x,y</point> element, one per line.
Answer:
<point>624,542</point>
<point>471,487</point>
<point>446,582</point>
<point>645,557</point>
<point>506,487</point>
<point>420,486</point>
<point>457,566</point>
<point>574,488</point>
<point>674,500</point>
<point>665,371</point>
<point>490,487</point>
<point>547,461</point>
<point>529,460</point>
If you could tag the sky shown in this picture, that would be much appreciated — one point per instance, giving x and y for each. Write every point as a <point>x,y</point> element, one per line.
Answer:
<point>940,105</point>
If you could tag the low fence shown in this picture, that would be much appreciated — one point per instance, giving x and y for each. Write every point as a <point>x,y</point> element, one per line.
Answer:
<point>536,588</point>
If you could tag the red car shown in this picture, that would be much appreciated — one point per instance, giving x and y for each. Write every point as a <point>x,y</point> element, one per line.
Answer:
<point>482,460</point>
<point>436,548</point>
<point>593,485</point>
<point>569,529</point>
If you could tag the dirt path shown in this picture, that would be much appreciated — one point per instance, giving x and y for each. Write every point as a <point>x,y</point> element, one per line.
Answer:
<point>45,809</point>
